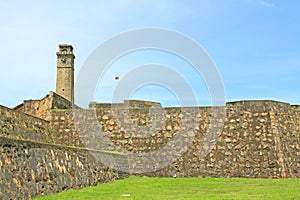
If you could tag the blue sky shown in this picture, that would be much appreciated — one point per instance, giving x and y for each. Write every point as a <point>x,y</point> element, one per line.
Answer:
<point>254,44</point>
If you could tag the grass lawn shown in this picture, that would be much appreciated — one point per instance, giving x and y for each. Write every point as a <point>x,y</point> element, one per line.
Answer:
<point>188,188</point>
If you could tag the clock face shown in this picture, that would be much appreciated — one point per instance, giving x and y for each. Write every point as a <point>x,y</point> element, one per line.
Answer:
<point>64,60</point>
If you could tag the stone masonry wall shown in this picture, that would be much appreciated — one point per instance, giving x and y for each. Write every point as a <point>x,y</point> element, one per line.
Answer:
<point>252,144</point>
<point>60,102</point>
<point>21,126</point>
<point>286,130</point>
<point>63,128</point>
<point>29,169</point>
<point>42,108</point>
<point>258,139</point>
<point>38,108</point>
<point>244,139</point>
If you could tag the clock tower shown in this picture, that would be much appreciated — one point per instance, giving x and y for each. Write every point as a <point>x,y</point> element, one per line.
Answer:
<point>65,72</point>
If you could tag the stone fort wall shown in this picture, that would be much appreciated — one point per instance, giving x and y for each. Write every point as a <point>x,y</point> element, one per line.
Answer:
<point>30,169</point>
<point>252,139</point>
<point>257,139</point>
<point>17,125</point>
<point>42,108</point>
<point>32,165</point>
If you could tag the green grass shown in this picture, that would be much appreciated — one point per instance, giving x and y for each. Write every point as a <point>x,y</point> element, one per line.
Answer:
<point>188,188</point>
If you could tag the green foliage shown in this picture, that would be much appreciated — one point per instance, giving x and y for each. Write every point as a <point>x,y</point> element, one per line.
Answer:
<point>55,108</point>
<point>188,188</point>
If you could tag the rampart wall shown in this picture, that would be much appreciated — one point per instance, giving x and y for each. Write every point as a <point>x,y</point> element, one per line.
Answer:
<point>29,169</point>
<point>42,108</point>
<point>258,138</point>
<point>21,126</point>
<point>244,139</point>
<point>31,165</point>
